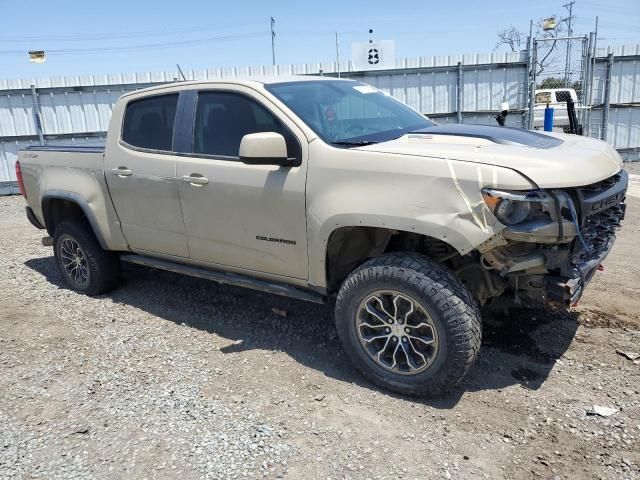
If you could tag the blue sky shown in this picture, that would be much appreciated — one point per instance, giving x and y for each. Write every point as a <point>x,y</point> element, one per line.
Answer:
<point>142,35</point>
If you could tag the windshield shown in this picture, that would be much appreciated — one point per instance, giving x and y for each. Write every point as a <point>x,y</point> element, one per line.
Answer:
<point>348,113</point>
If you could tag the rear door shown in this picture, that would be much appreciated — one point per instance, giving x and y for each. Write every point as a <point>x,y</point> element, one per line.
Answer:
<point>249,217</point>
<point>140,167</point>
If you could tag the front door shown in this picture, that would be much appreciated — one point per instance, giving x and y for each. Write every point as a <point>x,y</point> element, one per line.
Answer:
<point>250,217</point>
<point>140,169</point>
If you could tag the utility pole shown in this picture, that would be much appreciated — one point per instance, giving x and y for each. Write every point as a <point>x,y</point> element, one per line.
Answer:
<point>337,55</point>
<point>273,42</point>
<point>567,67</point>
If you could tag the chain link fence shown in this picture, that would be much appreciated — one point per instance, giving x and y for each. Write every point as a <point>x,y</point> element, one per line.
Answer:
<point>560,72</point>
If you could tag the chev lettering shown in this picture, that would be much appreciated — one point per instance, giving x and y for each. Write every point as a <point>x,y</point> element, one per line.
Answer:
<point>275,240</point>
<point>607,202</point>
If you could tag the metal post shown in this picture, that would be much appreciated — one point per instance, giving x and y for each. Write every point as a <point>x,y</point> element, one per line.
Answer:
<point>459,94</point>
<point>37,115</point>
<point>607,97</point>
<point>592,71</point>
<point>526,83</point>
<point>532,87</point>
<point>273,42</point>
<point>586,76</point>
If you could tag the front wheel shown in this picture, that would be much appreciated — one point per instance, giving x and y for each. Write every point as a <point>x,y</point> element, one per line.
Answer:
<point>408,324</point>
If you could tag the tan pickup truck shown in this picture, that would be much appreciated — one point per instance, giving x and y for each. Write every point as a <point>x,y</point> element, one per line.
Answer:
<point>330,190</point>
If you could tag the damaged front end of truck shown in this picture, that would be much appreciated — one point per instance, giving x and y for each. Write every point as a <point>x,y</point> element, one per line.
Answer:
<point>552,244</point>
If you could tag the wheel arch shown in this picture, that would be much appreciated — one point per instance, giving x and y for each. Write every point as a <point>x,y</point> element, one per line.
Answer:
<point>59,205</point>
<point>347,247</point>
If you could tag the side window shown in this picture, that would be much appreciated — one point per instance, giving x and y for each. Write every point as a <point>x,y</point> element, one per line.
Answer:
<point>543,97</point>
<point>223,118</point>
<point>148,123</point>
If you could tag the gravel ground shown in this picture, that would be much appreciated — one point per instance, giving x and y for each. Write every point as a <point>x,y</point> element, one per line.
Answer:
<point>177,377</point>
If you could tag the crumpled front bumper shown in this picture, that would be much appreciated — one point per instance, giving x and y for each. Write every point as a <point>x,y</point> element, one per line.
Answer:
<point>567,291</point>
<point>572,245</point>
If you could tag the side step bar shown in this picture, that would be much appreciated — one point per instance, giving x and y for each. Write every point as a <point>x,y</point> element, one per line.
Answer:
<point>228,278</point>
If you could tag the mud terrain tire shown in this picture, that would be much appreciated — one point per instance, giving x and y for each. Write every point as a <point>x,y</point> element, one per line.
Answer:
<point>437,293</point>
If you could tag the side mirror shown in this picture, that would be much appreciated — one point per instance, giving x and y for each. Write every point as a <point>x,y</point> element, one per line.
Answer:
<point>264,148</point>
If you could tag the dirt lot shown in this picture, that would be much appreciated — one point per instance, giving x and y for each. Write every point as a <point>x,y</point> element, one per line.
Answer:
<point>175,377</point>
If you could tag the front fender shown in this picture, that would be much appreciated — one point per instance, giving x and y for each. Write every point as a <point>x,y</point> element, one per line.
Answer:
<point>439,198</point>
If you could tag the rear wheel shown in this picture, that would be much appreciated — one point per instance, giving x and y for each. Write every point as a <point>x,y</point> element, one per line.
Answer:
<point>408,324</point>
<point>83,264</point>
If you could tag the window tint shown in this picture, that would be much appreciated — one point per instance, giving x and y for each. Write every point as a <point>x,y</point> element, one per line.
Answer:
<point>223,118</point>
<point>148,123</point>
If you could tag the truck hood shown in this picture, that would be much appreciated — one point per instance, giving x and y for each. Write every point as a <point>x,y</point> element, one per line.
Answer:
<point>550,160</point>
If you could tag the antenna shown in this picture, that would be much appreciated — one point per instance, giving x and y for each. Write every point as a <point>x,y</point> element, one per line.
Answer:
<point>181,73</point>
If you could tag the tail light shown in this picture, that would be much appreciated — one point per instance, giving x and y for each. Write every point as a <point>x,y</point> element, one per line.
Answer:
<point>23,192</point>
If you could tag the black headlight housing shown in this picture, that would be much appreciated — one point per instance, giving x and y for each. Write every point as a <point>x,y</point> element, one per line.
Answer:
<point>510,208</point>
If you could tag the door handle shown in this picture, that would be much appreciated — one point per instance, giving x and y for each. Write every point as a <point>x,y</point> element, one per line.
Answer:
<point>196,180</point>
<point>121,171</point>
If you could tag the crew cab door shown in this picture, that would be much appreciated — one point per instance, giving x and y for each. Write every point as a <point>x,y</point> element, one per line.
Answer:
<point>140,168</point>
<point>249,217</point>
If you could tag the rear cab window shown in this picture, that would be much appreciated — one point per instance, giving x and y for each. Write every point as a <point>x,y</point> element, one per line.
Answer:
<point>148,122</point>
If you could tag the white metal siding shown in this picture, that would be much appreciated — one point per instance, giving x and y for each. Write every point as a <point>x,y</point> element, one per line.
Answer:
<point>82,105</point>
<point>87,107</point>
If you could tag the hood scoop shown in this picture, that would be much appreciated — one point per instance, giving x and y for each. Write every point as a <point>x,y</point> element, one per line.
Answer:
<point>501,135</point>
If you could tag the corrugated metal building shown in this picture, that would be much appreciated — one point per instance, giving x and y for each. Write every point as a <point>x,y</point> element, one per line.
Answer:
<point>78,108</point>
<point>458,88</point>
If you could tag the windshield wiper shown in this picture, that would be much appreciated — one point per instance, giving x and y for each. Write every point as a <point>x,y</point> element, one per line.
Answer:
<point>354,143</point>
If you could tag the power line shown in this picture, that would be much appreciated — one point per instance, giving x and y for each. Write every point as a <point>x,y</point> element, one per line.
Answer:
<point>611,7</point>
<point>615,25</point>
<point>128,48</point>
<point>122,35</point>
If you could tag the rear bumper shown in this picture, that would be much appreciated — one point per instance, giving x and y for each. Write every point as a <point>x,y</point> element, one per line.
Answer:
<point>33,219</point>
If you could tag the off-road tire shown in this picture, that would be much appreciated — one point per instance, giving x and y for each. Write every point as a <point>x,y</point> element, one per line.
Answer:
<point>103,266</point>
<point>447,300</point>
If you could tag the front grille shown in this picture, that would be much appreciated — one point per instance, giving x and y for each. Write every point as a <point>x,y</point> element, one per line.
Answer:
<point>602,185</point>
<point>601,209</point>
<point>597,232</point>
